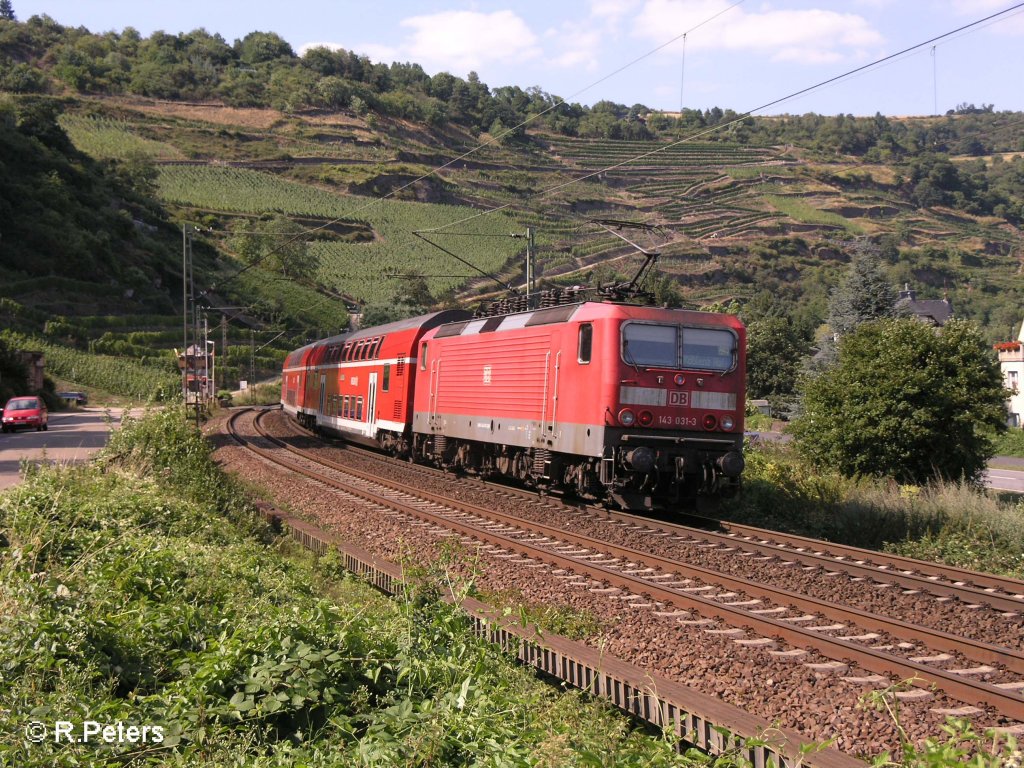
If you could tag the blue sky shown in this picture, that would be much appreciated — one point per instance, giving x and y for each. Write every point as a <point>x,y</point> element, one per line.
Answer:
<point>736,55</point>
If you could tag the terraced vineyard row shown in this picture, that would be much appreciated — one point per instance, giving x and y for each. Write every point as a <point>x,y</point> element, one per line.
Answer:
<point>114,139</point>
<point>599,153</point>
<point>356,269</point>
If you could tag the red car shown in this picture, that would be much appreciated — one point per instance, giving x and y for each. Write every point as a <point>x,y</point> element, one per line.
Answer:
<point>25,412</point>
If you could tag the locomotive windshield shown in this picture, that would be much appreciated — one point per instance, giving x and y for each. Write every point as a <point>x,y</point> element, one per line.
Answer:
<point>673,346</point>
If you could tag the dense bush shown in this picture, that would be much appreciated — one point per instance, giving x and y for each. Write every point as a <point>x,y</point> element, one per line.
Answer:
<point>906,401</point>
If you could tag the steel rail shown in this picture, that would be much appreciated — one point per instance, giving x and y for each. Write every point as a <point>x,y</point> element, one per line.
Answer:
<point>921,675</point>
<point>909,573</point>
<point>843,554</point>
<point>696,718</point>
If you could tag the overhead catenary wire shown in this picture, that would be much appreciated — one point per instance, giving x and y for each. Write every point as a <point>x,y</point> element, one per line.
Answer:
<point>494,139</point>
<point>744,115</point>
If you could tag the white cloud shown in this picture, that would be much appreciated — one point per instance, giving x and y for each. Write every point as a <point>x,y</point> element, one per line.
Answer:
<point>576,46</point>
<point>460,41</point>
<point>811,36</point>
<point>612,10</point>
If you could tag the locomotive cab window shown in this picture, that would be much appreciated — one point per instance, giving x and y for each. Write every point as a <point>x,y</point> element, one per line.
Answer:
<point>586,342</point>
<point>711,349</point>
<point>671,346</point>
<point>423,356</point>
<point>650,345</point>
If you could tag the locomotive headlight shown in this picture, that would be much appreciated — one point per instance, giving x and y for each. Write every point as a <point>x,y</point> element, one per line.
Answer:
<point>710,422</point>
<point>626,417</point>
<point>680,379</point>
<point>727,423</point>
<point>646,418</point>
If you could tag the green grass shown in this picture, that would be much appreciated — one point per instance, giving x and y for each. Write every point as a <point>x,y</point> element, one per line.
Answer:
<point>953,523</point>
<point>1010,443</point>
<point>142,591</point>
<point>800,211</point>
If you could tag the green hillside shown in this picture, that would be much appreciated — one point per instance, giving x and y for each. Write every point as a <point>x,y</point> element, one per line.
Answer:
<point>112,143</point>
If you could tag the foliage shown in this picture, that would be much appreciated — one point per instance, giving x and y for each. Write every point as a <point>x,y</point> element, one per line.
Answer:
<point>865,294</point>
<point>63,213</point>
<point>144,596</point>
<point>904,401</point>
<point>278,244</point>
<point>1010,443</point>
<point>951,522</point>
<point>117,376</point>
<point>13,376</point>
<point>775,348</point>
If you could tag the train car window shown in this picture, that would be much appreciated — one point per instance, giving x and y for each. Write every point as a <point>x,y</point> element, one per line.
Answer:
<point>386,379</point>
<point>423,356</point>
<point>377,346</point>
<point>650,345</point>
<point>585,343</point>
<point>359,409</point>
<point>710,349</point>
<point>344,406</point>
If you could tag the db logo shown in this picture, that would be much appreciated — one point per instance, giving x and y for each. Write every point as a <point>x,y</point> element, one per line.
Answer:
<point>679,398</point>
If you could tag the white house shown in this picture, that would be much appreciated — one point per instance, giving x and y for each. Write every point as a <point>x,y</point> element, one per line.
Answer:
<point>1011,361</point>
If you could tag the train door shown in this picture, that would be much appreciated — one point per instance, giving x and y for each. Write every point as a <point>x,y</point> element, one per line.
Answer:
<point>323,393</point>
<point>371,404</point>
<point>549,405</point>
<point>435,386</point>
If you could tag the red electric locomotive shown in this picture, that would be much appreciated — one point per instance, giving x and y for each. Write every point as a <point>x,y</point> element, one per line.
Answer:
<point>641,404</point>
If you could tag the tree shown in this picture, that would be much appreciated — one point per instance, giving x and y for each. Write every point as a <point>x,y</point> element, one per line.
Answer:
<point>775,348</point>
<point>904,401</point>
<point>864,295</point>
<point>277,244</point>
<point>259,47</point>
<point>7,11</point>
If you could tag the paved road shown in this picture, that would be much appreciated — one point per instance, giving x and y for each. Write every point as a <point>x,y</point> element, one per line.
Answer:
<point>73,436</point>
<point>1005,479</point>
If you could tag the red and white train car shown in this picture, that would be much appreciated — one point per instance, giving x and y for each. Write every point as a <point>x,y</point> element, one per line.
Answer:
<point>359,385</point>
<point>640,403</point>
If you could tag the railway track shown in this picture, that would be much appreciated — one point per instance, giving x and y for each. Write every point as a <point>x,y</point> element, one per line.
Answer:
<point>973,588</point>
<point>705,722</point>
<point>679,590</point>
